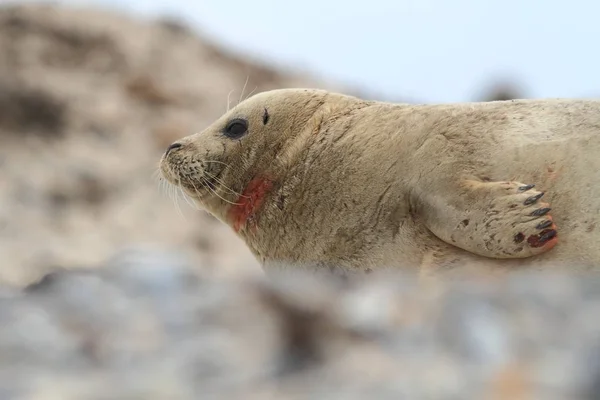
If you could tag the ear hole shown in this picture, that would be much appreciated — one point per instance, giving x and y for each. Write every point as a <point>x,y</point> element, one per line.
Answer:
<point>265,117</point>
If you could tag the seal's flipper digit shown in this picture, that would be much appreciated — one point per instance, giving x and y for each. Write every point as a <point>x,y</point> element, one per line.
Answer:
<point>492,219</point>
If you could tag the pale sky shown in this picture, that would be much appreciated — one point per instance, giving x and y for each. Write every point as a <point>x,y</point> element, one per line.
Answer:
<point>429,50</point>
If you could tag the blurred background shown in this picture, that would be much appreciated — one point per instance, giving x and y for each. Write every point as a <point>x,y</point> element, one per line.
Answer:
<point>92,92</point>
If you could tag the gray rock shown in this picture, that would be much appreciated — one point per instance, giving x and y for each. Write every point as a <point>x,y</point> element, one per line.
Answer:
<point>145,326</point>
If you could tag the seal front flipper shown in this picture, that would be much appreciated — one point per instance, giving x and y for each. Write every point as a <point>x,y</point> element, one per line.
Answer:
<point>492,219</point>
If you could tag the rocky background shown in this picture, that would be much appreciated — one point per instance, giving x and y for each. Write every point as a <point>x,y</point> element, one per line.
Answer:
<point>164,302</point>
<point>146,326</point>
<point>89,100</point>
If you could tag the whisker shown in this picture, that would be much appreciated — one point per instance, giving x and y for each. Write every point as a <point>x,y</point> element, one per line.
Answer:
<point>216,162</point>
<point>187,199</point>
<point>161,186</point>
<point>217,194</point>
<point>204,185</point>
<point>177,205</point>
<point>196,189</point>
<point>218,180</point>
<point>244,89</point>
<point>176,195</point>
<point>224,186</point>
<point>247,97</point>
<point>165,189</point>
<point>170,193</point>
<point>228,99</point>
<point>169,189</point>
<point>159,179</point>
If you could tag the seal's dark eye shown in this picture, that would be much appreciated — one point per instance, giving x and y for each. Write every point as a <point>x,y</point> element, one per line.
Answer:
<point>236,128</point>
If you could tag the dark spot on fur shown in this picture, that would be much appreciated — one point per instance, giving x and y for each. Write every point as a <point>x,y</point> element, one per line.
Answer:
<point>266,117</point>
<point>519,237</point>
<point>280,201</point>
<point>465,222</point>
<point>590,227</point>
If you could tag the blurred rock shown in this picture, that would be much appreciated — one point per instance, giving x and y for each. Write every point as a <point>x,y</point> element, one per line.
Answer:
<point>503,90</point>
<point>28,110</point>
<point>146,326</point>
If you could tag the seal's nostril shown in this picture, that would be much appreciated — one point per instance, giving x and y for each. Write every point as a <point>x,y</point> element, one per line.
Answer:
<point>173,146</point>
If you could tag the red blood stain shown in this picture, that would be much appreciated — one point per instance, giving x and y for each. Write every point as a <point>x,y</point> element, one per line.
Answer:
<point>249,202</point>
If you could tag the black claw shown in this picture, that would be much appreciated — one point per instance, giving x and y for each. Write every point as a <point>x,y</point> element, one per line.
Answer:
<point>543,225</point>
<point>526,188</point>
<point>547,236</point>
<point>540,211</point>
<point>533,199</point>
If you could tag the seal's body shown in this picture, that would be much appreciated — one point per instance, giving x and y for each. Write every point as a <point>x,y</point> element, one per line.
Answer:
<point>314,178</point>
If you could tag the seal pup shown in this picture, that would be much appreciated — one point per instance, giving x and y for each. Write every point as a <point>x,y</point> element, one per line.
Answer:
<point>311,177</point>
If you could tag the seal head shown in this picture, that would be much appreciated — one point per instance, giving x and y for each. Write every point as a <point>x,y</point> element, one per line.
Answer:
<point>231,166</point>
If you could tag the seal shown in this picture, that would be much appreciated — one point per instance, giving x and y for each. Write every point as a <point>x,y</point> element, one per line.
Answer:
<point>311,177</point>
